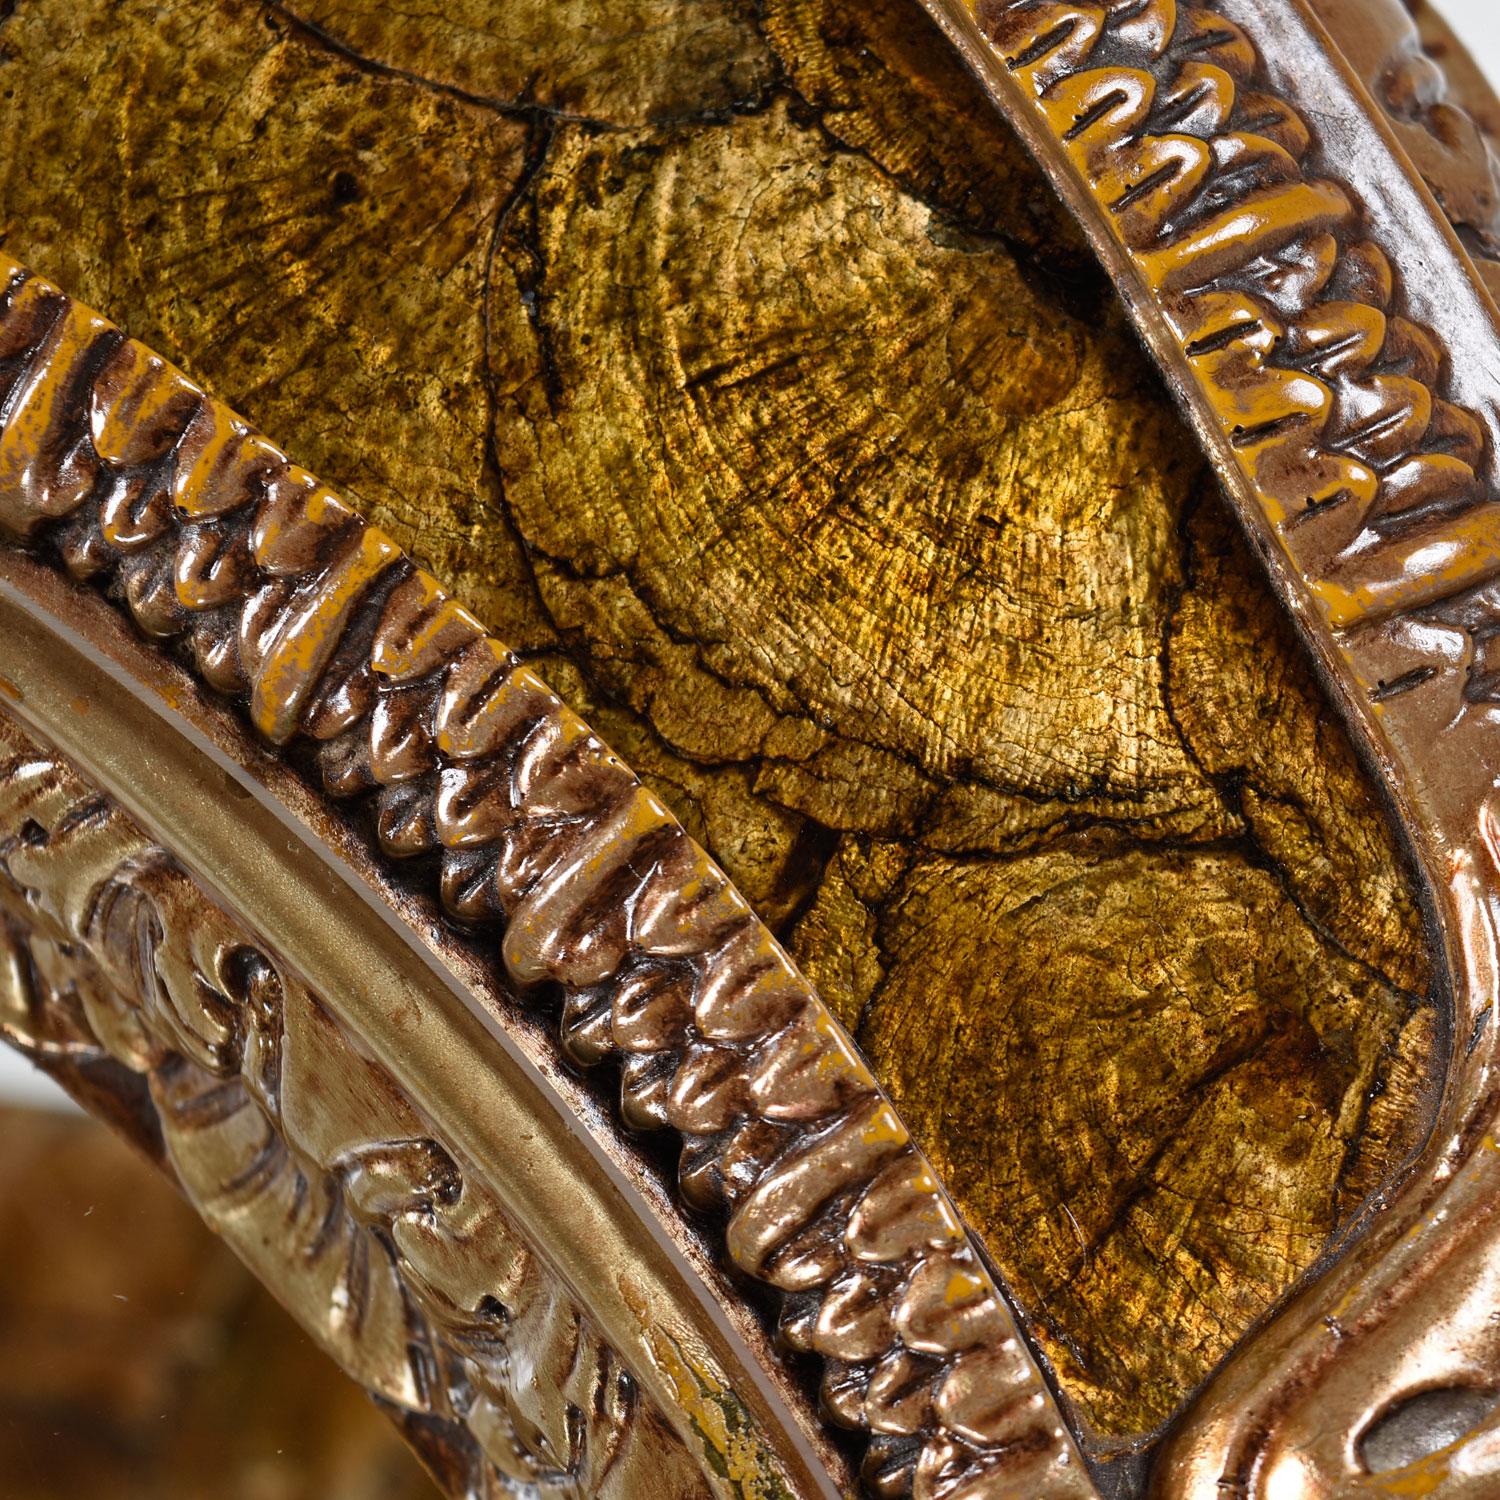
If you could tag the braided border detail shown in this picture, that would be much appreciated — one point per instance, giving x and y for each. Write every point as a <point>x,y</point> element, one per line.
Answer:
<point>318,627</point>
<point>1286,311</point>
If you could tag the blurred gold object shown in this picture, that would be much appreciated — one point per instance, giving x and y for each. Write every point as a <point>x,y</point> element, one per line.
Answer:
<point>139,1359</point>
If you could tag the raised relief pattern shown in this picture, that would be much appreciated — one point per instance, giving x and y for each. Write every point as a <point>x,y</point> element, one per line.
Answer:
<point>282,598</point>
<point>1282,304</point>
<point>1286,310</point>
<point>307,1157</point>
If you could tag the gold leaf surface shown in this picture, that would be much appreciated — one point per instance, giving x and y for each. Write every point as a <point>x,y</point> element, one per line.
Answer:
<point>737,367</point>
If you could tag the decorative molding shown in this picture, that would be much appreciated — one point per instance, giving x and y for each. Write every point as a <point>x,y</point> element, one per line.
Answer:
<point>1334,345</point>
<point>342,652</point>
<point>1432,119</point>
<point>1288,312</point>
<point>425,1002</point>
<point>307,1156</point>
<point>1273,212</point>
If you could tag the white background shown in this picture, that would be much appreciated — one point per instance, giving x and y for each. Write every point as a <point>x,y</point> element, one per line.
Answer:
<point>1476,21</point>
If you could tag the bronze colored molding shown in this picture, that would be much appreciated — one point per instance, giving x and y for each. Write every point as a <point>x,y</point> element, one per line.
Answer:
<point>339,650</point>
<point>1327,382</point>
<point>1335,347</point>
<point>1439,123</point>
<point>425,1010</point>
<point>1272,210</point>
<point>306,1155</point>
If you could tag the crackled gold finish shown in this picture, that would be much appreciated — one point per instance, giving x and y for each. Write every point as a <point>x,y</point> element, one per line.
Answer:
<point>333,642</point>
<point>1267,229</point>
<point>1332,395</point>
<point>962,643</point>
<point>963,688</point>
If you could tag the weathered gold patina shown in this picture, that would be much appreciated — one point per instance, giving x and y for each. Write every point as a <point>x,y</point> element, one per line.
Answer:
<point>783,423</point>
<point>744,376</point>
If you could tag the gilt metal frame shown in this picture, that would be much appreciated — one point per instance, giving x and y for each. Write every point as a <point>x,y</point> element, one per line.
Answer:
<point>311,887</point>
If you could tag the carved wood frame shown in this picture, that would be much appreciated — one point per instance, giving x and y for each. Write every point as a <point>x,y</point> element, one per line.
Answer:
<point>128,981</point>
<point>1334,346</point>
<point>585,897</point>
<point>1255,207</point>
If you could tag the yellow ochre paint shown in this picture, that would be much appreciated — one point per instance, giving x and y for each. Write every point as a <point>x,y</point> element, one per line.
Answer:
<point>727,1433</point>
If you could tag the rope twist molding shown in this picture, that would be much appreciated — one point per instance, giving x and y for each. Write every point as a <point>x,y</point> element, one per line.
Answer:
<point>1287,311</point>
<point>341,650</point>
<point>1336,347</point>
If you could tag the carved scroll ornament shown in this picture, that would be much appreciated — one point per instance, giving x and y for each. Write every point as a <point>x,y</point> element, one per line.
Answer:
<point>283,599</point>
<point>306,1156</point>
